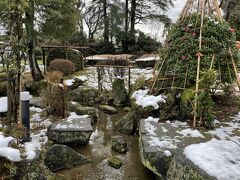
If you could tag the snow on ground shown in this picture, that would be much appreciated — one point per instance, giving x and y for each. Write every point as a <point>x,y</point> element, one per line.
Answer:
<point>144,100</point>
<point>150,58</point>
<point>91,78</point>
<point>8,152</point>
<point>36,109</point>
<point>163,142</point>
<point>69,82</point>
<point>219,158</point>
<point>190,132</point>
<point>38,140</point>
<point>3,104</point>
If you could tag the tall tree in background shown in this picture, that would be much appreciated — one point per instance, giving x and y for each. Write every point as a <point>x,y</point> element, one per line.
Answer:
<point>125,41</point>
<point>31,38</point>
<point>58,19</point>
<point>93,19</point>
<point>106,21</point>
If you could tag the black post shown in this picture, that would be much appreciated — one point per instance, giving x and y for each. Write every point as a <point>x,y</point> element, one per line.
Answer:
<point>25,114</point>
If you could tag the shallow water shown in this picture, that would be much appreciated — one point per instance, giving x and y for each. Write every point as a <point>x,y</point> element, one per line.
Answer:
<point>99,150</point>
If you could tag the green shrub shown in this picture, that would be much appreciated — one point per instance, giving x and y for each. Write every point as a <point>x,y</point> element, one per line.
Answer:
<point>3,88</point>
<point>64,66</point>
<point>36,87</point>
<point>72,55</point>
<point>53,96</point>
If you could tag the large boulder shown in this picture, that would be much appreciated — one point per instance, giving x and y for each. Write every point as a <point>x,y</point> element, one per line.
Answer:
<point>60,157</point>
<point>85,96</point>
<point>162,149</point>
<point>119,144</point>
<point>119,92</point>
<point>74,131</point>
<point>107,109</point>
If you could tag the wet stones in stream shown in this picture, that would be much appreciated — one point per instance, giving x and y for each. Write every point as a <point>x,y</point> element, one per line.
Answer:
<point>119,144</point>
<point>107,109</point>
<point>71,131</point>
<point>115,162</point>
<point>60,157</point>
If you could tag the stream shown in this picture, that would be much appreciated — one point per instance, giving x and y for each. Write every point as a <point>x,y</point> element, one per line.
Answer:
<point>99,150</point>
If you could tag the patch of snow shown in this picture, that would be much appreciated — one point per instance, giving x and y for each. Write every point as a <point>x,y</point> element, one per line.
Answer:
<point>38,140</point>
<point>164,129</point>
<point>8,152</point>
<point>168,153</point>
<point>145,100</point>
<point>36,118</point>
<point>4,141</point>
<point>178,124</point>
<point>190,132</point>
<point>150,129</point>
<point>69,82</point>
<point>151,58</point>
<point>225,132</point>
<point>219,158</point>
<point>162,143</point>
<point>151,119</point>
<point>3,104</point>
<point>36,109</point>
<point>73,115</point>
<point>82,78</point>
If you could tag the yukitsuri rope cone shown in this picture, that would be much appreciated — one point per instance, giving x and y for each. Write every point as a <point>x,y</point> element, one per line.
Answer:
<point>199,51</point>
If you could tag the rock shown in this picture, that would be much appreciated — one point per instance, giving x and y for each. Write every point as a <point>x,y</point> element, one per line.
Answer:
<point>161,150</point>
<point>82,110</point>
<point>36,101</point>
<point>119,144</point>
<point>76,83</point>
<point>127,109</point>
<point>60,157</point>
<point>106,98</point>
<point>126,123</point>
<point>91,111</point>
<point>107,109</point>
<point>85,96</point>
<point>115,162</point>
<point>25,169</point>
<point>119,92</point>
<point>71,131</point>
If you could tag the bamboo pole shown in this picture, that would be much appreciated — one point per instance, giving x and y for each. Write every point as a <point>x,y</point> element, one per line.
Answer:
<point>218,11</point>
<point>198,66</point>
<point>235,68</point>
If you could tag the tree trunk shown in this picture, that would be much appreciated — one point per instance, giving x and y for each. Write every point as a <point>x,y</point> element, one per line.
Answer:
<point>106,22</point>
<point>35,70</point>
<point>125,41</point>
<point>133,18</point>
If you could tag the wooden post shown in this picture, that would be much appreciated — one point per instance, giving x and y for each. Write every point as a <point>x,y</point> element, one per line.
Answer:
<point>44,60</point>
<point>129,80</point>
<point>235,68</point>
<point>198,67</point>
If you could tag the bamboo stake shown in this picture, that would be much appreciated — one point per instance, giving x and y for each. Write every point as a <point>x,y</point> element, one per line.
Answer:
<point>198,66</point>
<point>235,68</point>
<point>213,57</point>
<point>217,9</point>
